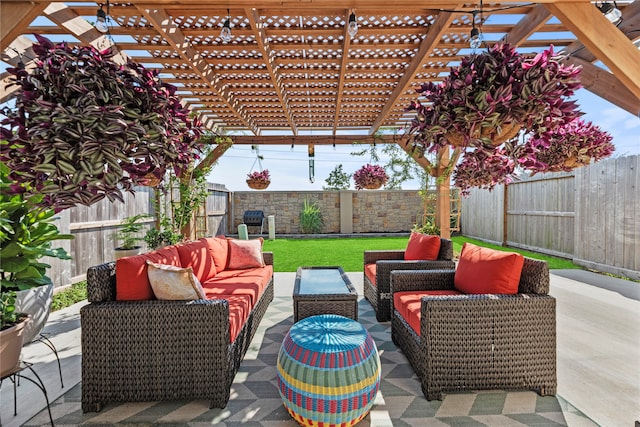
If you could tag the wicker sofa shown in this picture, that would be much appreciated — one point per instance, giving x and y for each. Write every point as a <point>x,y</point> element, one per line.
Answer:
<point>150,349</point>
<point>481,341</point>
<point>379,264</point>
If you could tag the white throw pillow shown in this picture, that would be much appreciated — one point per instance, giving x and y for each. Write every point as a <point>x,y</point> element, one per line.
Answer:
<point>174,283</point>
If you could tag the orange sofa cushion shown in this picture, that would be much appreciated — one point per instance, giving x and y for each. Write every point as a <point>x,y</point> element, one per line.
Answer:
<point>219,248</point>
<point>409,304</point>
<point>422,247</point>
<point>251,282</point>
<point>239,309</point>
<point>487,271</point>
<point>370,272</point>
<point>245,254</point>
<point>132,281</point>
<point>196,254</point>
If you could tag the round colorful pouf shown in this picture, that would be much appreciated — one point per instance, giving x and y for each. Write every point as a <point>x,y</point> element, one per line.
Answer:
<point>328,371</point>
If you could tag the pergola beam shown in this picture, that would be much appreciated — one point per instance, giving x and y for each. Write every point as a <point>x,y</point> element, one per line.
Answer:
<point>270,62</point>
<point>603,39</point>
<point>427,45</point>
<point>163,23</point>
<point>346,42</point>
<point>15,17</point>
<point>531,23</point>
<point>314,139</point>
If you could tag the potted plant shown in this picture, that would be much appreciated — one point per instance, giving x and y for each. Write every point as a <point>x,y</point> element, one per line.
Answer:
<point>370,177</point>
<point>259,180</point>
<point>26,234</point>
<point>85,127</point>
<point>155,238</point>
<point>128,235</point>
<point>491,98</point>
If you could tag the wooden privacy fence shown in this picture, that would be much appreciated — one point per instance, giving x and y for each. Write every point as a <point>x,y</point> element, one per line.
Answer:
<point>589,215</point>
<point>94,228</point>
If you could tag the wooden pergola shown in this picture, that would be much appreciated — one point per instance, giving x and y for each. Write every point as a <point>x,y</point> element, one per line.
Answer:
<point>291,67</point>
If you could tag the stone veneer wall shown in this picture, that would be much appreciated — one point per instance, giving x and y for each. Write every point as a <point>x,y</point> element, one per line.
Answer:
<point>372,211</point>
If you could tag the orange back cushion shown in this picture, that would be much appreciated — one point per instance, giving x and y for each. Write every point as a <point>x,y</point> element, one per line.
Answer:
<point>422,247</point>
<point>487,271</point>
<point>132,282</point>
<point>196,255</point>
<point>219,248</point>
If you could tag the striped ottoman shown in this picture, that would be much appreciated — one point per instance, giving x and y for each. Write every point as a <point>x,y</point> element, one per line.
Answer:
<point>328,371</point>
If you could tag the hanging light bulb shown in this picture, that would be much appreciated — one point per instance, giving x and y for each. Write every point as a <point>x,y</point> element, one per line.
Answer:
<point>611,12</point>
<point>101,21</point>
<point>352,28</point>
<point>225,33</point>
<point>475,41</point>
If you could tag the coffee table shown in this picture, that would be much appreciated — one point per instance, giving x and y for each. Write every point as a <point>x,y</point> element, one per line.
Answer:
<point>323,290</point>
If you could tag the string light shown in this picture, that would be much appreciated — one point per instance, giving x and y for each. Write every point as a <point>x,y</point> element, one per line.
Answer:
<point>101,19</point>
<point>352,27</point>
<point>225,33</point>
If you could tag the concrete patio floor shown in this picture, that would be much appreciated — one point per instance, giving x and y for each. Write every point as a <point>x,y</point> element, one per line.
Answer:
<point>598,337</point>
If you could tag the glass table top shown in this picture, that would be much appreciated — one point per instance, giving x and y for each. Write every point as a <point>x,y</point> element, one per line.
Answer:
<point>321,281</point>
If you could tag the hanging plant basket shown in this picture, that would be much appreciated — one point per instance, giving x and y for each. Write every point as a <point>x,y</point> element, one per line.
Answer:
<point>507,132</point>
<point>370,177</point>
<point>259,180</point>
<point>258,184</point>
<point>150,180</point>
<point>374,185</point>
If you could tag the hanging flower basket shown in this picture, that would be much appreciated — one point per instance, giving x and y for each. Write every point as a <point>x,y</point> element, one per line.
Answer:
<point>493,136</point>
<point>370,177</point>
<point>259,180</point>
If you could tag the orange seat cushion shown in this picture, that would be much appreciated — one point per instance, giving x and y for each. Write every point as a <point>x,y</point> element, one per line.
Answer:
<point>487,271</point>
<point>196,254</point>
<point>239,310</point>
<point>409,304</point>
<point>132,282</point>
<point>251,282</point>
<point>219,248</point>
<point>422,247</point>
<point>370,272</point>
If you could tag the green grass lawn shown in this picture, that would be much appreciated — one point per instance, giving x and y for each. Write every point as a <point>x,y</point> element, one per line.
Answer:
<point>289,254</point>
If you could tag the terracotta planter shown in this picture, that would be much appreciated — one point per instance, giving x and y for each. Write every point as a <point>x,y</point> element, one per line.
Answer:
<point>36,302</point>
<point>11,346</point>
<point>258,184</point>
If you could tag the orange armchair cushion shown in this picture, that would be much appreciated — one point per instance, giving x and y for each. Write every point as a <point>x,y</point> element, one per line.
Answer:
<point>422,247</point>
<point>370,272</point>
<point>409,305</point>
<point>487,271</point>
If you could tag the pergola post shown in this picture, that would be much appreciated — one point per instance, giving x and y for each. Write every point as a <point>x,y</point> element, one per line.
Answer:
<point>443,193</point>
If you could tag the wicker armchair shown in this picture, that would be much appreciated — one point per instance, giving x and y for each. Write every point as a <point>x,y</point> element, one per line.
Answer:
<point>476,342</point>
<point>378,293</point>
<point>159,350</point>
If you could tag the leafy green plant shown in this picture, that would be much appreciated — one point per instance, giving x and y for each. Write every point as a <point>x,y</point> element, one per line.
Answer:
<point>427,227</point>
<point>128,233</point>
<point>73,294</point>
<point>338,179</point>
<point>155,238</point>
<point>311,220</point>
<point>27,231</point>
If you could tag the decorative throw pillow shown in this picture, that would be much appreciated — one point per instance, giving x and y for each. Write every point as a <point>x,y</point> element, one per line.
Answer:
<point>487,271</point>
<point>174,283</point>
<point>245,254</point>
<point>422,247</point>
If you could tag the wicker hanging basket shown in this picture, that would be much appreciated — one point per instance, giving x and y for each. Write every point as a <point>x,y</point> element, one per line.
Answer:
<point>150,180</point>
<point>373,185</point>
<point>507,131</point>
<point>258,184</point>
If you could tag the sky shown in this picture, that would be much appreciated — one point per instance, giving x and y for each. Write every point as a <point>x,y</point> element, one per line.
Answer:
<point>289,168</point>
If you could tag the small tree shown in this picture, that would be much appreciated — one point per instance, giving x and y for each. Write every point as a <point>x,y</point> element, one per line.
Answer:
<point>338,179</point>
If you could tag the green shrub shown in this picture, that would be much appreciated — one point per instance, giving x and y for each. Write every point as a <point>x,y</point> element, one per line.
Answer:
<point>311,221</point>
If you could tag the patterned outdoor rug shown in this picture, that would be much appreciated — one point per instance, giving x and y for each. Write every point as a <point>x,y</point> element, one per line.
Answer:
<point>255,400</point>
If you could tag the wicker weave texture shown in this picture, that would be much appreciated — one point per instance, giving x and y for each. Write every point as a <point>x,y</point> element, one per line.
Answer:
<point>312,304</point>
<point>328,371</point>
<point>387,261</point>
<point>476,342</point>
<point>159,350</point>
